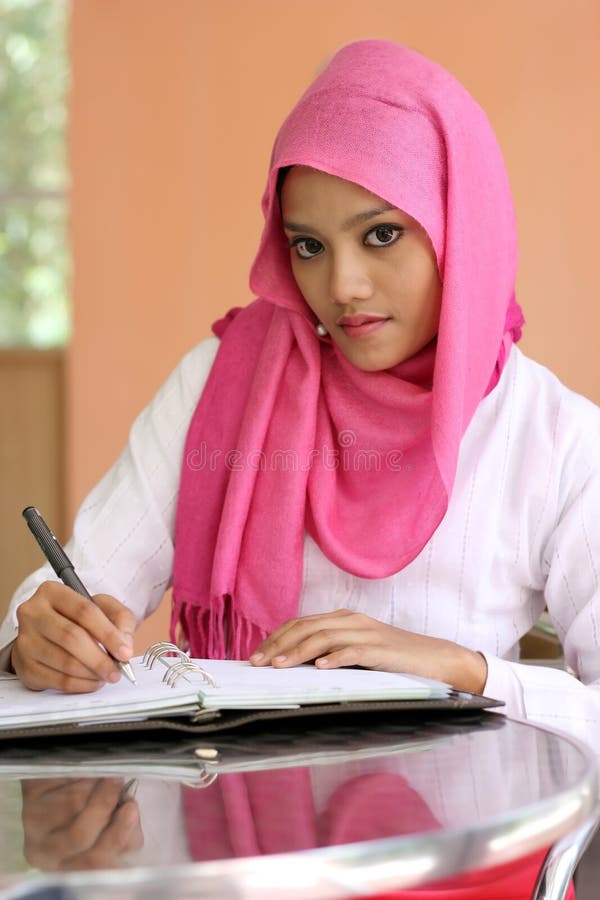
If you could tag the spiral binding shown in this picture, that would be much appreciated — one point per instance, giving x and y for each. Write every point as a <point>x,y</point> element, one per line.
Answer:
<point>161,648</point>
<point>157,651</point>
<point>205,778</point>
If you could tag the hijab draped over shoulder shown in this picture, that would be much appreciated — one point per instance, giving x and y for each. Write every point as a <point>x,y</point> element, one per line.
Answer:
<point>289,436</point>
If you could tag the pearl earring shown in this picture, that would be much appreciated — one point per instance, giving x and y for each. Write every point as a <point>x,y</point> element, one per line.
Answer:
<point>321,330</point>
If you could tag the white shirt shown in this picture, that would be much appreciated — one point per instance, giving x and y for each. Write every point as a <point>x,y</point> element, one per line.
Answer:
<point>522,531</point>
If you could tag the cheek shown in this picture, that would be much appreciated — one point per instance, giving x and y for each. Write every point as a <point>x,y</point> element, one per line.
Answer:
<point>435,297</point>
<point>307,284</point>
<point>421,283</point>
<point>426,306</point>
<point>296,272</point>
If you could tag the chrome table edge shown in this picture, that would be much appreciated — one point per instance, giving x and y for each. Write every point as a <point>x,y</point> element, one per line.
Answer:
<point>354,869</point>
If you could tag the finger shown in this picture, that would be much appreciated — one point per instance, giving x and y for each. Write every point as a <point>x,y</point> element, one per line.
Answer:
<point>306,620</point>
<point>355,655</point>
<point>94,621</point>
<point>53,598</point>
<point>67,802</point>
<point>379,656</point>
<point>34,647</point>
<point>74,625</point>
<point>47,847</point>
<point>122,833</point>
<point>317,645</point>
<point>37,677</point>
<point>81,834</point>
<point>284,641</point>
<point>121,617</point>
<point>134,840</point>
<point>56,806</point>
<point>264,652</point>
<point>71,792</point>
<point>35,789</point>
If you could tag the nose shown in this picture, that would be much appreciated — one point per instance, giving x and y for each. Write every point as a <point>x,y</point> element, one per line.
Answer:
<point>349,279</point>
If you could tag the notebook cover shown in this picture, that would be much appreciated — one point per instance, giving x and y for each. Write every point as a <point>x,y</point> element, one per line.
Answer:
<point>210,721</point>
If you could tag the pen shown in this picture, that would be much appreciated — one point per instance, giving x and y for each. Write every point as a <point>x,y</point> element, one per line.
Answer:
<point>128,792</point>
<point>63,567</point>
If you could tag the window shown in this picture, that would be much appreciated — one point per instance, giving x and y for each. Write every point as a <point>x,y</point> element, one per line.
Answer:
<point>34,255</point>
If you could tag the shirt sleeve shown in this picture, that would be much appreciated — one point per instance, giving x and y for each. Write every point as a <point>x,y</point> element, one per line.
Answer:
<point>122,542</point>
<point>571,561</point>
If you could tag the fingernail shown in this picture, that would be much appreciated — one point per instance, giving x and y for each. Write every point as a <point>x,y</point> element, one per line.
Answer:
<point>257,657</point>
<point>124,652</point>
<point>114,677</point>
<point>279,659</point>
<point>322,662</point>
<point>128,638</point>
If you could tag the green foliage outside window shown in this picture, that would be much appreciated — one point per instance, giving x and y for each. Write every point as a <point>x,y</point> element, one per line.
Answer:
<point>34,256</point>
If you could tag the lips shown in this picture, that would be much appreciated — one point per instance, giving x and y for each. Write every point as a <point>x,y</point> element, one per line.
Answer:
<point>356,321</point>
<point>362,325</point>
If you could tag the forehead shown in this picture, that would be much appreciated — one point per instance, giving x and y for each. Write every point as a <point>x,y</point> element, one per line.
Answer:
<point>306,185</point>
<point>317,202</point>
<point>310,197</point>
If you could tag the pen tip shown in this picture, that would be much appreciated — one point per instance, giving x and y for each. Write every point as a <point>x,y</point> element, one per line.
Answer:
<point>128,671</point>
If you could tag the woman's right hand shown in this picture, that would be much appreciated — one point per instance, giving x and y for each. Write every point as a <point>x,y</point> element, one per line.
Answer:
<point>59,635</point>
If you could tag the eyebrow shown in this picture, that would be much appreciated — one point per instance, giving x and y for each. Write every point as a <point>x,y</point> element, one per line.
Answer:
<point>349,223</point>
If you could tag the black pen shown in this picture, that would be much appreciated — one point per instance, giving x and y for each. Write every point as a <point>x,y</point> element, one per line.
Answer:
<point>64,568</point>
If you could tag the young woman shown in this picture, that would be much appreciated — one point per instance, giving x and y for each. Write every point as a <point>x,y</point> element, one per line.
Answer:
<point>361,467</point>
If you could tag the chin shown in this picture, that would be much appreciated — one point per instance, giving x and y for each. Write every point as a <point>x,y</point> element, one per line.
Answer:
<point>371,367</point>
<point>373,363</point>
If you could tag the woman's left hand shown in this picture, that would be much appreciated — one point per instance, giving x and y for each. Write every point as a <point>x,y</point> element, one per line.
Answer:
<point>346,638</point>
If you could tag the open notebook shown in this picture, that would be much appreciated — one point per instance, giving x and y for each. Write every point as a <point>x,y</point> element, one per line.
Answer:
<point>200,691</point>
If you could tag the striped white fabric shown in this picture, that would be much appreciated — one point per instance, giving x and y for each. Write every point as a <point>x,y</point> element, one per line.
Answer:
<point>522,531</point>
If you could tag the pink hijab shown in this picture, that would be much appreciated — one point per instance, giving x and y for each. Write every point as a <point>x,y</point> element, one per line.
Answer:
<point>288,435</point>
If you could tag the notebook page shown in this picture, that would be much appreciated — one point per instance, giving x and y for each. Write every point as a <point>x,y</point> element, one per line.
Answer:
<point>242,686</point>
<point>20,706</point>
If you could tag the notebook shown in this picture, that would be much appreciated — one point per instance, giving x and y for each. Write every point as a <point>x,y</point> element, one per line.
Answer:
<point>195,692</point>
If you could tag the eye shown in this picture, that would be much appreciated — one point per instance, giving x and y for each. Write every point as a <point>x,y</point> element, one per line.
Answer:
<point>382,235</point>
<point>306,248</point>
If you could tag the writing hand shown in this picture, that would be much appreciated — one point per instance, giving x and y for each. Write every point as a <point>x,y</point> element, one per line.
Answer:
<point>59,632</point>
<point>346,638</point>
<point>78,824</point>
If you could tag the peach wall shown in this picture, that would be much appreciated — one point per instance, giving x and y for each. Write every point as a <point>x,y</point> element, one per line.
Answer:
<point>173,112</point>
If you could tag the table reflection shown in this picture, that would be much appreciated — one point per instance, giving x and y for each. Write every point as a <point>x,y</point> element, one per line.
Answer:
<point>250,794</point>
<point>70,824</point>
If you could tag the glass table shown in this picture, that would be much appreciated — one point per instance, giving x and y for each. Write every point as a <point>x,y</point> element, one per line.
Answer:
<point>308,812</point>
